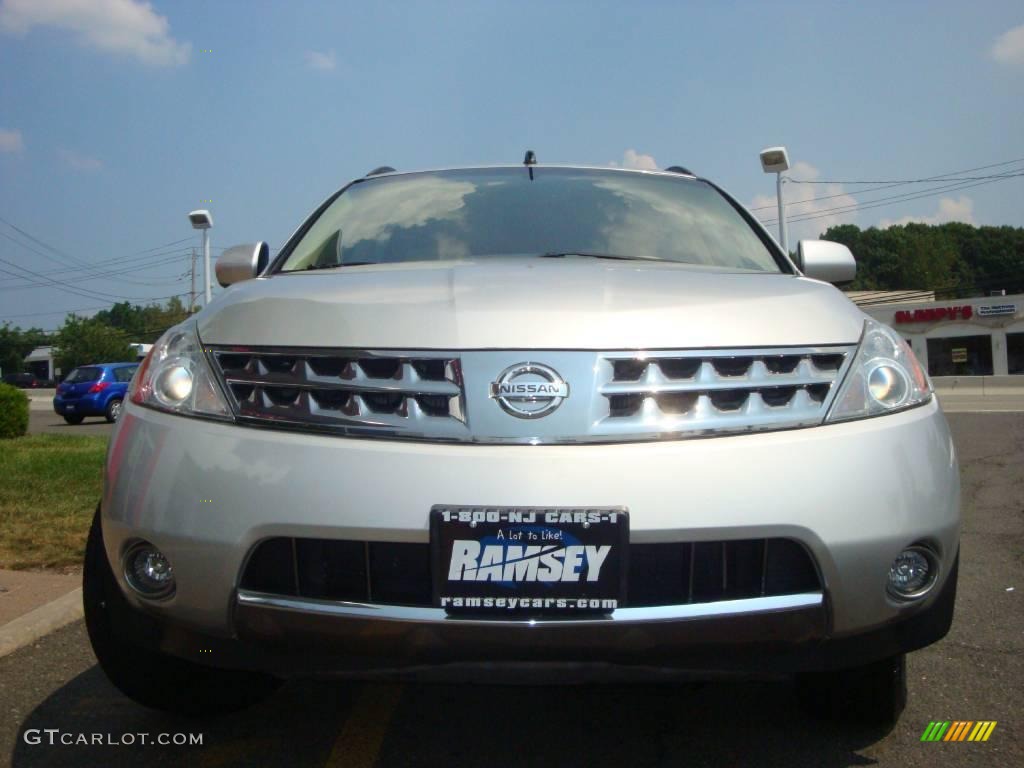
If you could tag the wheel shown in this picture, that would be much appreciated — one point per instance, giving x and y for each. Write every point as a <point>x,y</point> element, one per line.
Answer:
<point>113,409</point>
<point>874,694</point>
<point>151,678</point>
<point>74,419</point>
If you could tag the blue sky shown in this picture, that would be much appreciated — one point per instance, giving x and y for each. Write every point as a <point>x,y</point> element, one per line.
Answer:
<point>118,117</point>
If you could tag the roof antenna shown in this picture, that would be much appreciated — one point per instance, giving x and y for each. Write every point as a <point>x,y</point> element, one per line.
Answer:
<point>529,161</point>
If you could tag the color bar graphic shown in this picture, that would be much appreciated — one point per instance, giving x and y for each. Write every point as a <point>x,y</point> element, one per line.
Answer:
<point>958,730</point>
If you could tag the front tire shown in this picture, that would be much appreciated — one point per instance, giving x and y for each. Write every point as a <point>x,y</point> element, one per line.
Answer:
<point>74,419</point>
<point>874,694</point>
<point>151,678</point>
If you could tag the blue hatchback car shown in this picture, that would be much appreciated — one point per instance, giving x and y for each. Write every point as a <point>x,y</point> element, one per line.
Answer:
<point>94,390</point>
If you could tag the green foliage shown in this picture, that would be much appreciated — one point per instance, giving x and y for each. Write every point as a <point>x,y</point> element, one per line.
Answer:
<point>13,412</point>
<point>15,344</point>
<point>82,341</point>
<point>952,259</point>
<point>103,338</point>
<point>143,324</point>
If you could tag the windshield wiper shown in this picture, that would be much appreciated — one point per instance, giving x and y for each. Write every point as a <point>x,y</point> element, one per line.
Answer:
<point>311,267</point>
<point>584,254</point>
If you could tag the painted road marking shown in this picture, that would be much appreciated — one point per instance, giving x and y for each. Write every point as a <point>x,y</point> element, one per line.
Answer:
<point>363,732</point>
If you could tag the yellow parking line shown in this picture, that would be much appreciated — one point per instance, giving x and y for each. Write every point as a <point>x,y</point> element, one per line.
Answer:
<point>363,732</point>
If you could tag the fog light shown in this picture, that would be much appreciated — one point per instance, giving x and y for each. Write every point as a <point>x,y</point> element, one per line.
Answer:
<point>148,571</point>
<point>913,573</point>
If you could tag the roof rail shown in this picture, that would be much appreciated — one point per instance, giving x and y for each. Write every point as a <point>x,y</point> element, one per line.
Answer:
<point>679,169</point>
<point>381,169</point>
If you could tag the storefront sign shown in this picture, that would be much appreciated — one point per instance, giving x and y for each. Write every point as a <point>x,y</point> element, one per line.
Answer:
<point>934,314</point>
<point>997,309</point>
<point>959,354</point>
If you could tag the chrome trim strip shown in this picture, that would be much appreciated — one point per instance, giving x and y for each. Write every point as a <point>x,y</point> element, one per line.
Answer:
<point>404,613</point>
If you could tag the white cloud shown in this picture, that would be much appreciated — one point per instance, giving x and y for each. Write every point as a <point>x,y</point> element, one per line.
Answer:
<point>129,27</point>
<point>799,205</point>
<point>633,159</point>
<point>1009,46</point>
<point>78,161</point>
<point>961,209</point>
<point>10,141</point>
<point>321,60</point>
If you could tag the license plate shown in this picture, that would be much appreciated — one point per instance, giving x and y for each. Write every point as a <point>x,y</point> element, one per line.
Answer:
<point>69,407</point>
<point>524,560</point>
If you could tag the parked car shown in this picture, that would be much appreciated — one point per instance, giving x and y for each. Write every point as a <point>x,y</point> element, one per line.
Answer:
<point>94,390</point>
<point>24,380</point>
<point>586,422</point>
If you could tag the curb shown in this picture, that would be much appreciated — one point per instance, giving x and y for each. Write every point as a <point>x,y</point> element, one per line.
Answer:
<point>42,621</point>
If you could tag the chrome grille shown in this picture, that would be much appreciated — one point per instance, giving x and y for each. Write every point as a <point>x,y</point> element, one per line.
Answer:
<point>723,390</point>
<point>417,393</point>
<point>614,396</point>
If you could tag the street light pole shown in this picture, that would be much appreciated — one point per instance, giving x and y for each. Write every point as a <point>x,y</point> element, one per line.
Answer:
<point>192,289</point>
<point>776,160</point>
<point>206,263</point>
<point>783,239</point>
<point>203,220</point>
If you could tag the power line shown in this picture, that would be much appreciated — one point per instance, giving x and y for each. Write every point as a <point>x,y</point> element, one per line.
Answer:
<point>894,182</point>
<point>78,263</point>
<point>887,185</point>
<point>93,273</point>
<point>98,275</point>
<point>882,201</point>
<point>83,292</point>
<point>55,312</point>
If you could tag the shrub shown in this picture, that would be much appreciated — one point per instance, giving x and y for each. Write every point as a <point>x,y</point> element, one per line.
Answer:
<point>13,411</point>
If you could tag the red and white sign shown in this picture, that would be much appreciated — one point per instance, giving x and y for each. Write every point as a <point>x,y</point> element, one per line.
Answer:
<point>934,314</point>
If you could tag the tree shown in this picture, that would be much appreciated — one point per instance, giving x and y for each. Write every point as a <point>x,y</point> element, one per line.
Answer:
<point>15,344</point>
<point>83,341</point>
<point>144,324</point>
<point>954,259</point>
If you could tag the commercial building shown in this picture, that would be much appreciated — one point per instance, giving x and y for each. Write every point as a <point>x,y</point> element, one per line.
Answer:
<point>41,363</point>
<point>961,337</point>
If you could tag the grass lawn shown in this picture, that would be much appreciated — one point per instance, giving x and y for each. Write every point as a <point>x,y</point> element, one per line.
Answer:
<point>49,487</point>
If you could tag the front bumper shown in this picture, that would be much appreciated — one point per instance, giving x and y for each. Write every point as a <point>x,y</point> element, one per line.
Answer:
<point>854,494</point>
<point>776,637</point>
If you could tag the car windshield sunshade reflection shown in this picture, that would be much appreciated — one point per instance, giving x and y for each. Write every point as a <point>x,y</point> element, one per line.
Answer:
<point>473,214</point>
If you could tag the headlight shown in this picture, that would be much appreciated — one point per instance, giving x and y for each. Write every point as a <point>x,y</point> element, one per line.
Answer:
<point>175,377</point>
<point>884,377</point>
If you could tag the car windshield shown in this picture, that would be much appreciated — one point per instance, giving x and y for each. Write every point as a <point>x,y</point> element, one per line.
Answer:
<point>80,375</point>
<point>469,214</point>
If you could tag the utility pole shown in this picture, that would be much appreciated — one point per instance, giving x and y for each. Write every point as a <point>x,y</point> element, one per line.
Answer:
<point>192,290</point>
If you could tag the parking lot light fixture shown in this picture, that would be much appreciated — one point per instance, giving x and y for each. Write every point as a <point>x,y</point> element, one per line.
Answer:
<point>776,160</point>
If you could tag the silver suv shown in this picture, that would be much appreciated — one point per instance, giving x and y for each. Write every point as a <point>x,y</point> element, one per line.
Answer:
<point>580,422</point>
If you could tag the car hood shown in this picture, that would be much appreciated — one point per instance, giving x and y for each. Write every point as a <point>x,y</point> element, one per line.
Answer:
<point>499,303</point>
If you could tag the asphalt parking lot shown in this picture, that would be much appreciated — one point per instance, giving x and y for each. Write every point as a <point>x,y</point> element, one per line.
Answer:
<point>48,422</point>
<point>976,673</point>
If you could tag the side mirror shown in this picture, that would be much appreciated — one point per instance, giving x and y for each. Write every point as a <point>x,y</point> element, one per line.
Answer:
<point>825,260</point>
<point>242,262</point>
